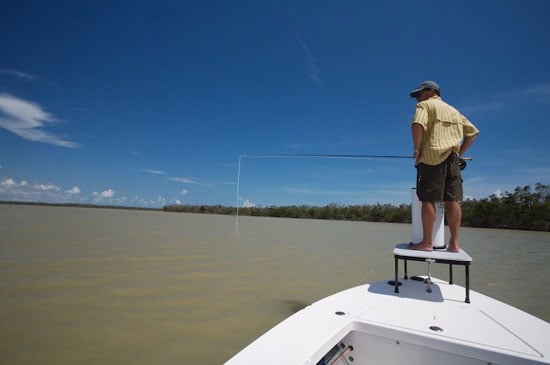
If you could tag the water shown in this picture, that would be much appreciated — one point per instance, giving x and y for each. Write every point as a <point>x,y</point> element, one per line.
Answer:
<point>89,286</point>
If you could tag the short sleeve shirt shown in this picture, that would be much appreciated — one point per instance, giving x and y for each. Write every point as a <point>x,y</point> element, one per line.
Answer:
<point>444,129</point>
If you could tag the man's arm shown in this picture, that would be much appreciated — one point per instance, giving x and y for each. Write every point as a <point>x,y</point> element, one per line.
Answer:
<point>468,141</point>
<point>417,131</point>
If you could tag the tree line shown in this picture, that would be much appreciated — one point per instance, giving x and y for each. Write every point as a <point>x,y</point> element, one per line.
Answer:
<point>525,208</point>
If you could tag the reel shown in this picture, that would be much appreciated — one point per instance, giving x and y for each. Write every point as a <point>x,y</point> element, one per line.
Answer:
<point>462,163</point>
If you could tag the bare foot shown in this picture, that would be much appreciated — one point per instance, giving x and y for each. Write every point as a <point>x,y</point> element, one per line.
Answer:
<point>421,247</point>
<point>453,247</point>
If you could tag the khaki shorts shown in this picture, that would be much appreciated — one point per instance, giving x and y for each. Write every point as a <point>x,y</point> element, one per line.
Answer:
<point>441,182</point>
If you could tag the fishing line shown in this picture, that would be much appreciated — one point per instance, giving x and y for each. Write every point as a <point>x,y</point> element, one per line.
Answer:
<point>311,155</point>
<point>363,280</point>
<point>238,188</point>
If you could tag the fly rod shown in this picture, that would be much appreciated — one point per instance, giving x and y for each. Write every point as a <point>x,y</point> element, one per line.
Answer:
<point>340,156</point>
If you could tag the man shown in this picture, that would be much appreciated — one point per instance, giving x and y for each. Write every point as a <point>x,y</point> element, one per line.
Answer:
<point>440,135</point>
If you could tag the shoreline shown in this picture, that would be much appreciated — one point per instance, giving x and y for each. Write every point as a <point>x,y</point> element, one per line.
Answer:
<point>78,205</point>
<point>380,213</point>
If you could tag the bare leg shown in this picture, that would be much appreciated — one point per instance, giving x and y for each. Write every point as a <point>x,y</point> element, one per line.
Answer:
<point>454,218</point>
<point>428,220</point>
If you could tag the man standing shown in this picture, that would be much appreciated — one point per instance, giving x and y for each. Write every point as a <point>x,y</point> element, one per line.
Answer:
<point>440,135</point>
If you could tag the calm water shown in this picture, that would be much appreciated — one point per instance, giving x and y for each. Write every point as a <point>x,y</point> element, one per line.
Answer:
<point>98,286</point>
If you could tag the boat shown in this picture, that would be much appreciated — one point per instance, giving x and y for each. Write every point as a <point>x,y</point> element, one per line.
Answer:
<point>406,320</point>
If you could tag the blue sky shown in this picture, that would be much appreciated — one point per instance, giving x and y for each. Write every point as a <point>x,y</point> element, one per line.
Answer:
<point>147,103</point>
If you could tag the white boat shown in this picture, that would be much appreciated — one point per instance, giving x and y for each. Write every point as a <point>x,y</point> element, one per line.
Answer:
<point>428,321</point>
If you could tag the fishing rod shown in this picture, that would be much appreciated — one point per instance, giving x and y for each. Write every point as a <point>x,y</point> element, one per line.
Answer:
<point>340,156</point>
<point>461,164</point>
<point>461,161</point>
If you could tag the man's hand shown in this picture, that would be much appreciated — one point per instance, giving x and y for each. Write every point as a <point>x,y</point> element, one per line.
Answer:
<point>416,155</point>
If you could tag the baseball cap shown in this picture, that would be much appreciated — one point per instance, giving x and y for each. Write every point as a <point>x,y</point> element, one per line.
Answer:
<point>425,85</point>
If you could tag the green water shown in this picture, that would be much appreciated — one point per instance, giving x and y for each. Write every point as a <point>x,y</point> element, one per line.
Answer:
<point>90,286</point>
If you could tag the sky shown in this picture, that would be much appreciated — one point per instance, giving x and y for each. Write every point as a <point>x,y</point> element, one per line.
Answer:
<point>150,103</point>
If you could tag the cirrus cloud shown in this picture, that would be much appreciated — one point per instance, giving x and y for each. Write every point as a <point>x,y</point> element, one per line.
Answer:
<point>17,74</point>
<point>183,180</point>
<point>154,172</point>
<point>25,119</point>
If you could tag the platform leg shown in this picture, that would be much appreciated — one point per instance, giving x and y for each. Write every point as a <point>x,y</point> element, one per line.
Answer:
<point>467,269</point>
<point>451,274</point>
<point>429,288</point>
<point>396,282</point>
<point>406,274</point>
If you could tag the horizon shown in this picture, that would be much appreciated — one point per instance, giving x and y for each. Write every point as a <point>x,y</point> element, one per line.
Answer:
<point>240,206</point>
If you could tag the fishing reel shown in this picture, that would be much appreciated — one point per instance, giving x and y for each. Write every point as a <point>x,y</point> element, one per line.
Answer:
<point>462,163</point>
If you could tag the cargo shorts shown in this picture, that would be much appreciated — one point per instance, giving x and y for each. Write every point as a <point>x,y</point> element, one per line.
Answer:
<point>441,182</point>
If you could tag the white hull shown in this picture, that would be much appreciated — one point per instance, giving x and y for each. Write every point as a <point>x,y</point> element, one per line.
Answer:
<point>371,324</point>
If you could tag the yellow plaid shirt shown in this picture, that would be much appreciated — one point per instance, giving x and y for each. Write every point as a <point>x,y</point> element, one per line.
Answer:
<point>444,129</point>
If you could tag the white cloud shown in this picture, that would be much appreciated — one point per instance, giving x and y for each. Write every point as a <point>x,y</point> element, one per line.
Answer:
<point>153,203</point>
<point>155,172</point>
<point>313,72</point>
<point>46,187</point>
<point>74,191</point>
<point>503,100</point>
<point>7,183</point>
<point>12,190</point>
<point>184,180</point>
<point>541,91</point>
<point>10,183</point>
<point>138,201</point>
<point>25,118</point>
<point>248,204</point>
<point>18,74</point>
<point>106,194</point>
<point>498,193</point>
<point>184,191</point>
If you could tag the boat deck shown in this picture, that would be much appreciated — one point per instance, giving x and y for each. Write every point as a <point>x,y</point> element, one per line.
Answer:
<point>412,327</point>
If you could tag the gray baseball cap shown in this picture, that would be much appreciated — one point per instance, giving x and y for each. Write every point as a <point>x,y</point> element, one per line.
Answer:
<point>425,85</point>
